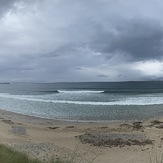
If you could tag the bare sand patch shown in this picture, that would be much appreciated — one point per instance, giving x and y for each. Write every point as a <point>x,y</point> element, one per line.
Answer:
<point>119,142</point>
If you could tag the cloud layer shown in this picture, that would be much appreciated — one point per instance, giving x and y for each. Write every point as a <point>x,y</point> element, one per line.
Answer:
<point>79,40</point>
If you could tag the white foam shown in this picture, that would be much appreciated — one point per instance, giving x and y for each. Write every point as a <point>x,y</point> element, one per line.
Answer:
<point>124,101</point>
<point>78,91</point>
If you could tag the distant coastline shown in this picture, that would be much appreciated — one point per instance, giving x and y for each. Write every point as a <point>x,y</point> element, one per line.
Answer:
<point>5,83</point>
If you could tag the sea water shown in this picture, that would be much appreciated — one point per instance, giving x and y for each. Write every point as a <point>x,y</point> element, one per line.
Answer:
<point>92,101</point>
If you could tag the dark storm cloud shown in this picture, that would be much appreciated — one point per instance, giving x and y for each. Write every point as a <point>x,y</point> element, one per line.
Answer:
<point>81,40</point>
<point>111,32</point>
<point>135,39</point>
<point>5,5</point>
<point>140,39</point>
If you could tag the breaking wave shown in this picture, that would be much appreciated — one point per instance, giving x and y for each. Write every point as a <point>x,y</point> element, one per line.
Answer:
<point>79,91</point>
<point>140,100</point>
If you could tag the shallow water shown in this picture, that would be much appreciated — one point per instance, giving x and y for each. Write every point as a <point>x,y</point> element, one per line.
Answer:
<point>84,101</point>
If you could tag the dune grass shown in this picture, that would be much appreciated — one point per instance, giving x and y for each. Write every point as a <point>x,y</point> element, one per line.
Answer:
<point>8,155</point>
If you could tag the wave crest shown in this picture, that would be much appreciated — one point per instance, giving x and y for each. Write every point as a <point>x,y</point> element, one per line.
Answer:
<point>79,91</point>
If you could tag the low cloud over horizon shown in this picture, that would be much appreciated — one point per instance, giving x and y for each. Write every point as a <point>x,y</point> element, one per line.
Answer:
<point>79,40</point>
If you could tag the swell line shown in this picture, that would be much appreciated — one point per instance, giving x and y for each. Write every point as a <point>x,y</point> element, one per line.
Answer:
<point>126,101</point>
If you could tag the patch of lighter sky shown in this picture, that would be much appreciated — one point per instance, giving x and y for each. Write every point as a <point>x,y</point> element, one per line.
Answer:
<point>150,67</point>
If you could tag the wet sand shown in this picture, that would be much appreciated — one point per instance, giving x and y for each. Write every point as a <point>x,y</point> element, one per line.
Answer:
<point>118,142</point>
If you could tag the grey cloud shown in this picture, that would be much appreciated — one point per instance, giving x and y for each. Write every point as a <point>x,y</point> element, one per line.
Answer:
<point>5,5</point>
<point>65,38</point>
<point>136,39</point>
<point>79,68</point>
<point>140,39</point>
<point>111,33</point>
<point>102,76</point>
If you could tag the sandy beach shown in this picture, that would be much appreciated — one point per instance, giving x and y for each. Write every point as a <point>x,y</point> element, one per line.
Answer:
<point>118,142</point>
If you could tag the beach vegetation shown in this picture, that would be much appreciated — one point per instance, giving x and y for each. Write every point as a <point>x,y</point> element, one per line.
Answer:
<point>8,155</point>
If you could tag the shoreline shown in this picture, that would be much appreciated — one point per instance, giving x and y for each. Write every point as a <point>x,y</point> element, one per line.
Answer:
<point>46,138</point>
<point>44,119</point>
<point>36,119</point>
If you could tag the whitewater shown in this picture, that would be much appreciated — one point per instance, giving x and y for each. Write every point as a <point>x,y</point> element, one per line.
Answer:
<point>138,100</point>
<point>84,101</point>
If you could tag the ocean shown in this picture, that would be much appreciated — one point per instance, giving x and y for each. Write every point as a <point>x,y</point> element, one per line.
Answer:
<point>89,101</point>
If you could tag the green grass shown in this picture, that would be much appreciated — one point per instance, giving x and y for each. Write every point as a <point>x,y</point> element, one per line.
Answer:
<point>8,155</point>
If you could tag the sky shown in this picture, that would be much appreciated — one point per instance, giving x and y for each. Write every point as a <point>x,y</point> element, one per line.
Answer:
<point>81,40</point>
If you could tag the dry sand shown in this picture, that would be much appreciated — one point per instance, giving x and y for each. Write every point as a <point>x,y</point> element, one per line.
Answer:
<point>83,141</point>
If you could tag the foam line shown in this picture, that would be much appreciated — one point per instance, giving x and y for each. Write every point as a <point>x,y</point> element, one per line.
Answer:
<point>124,101</point>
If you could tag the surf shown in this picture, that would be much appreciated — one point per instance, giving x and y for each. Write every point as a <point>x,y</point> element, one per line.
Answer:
<point>140,100</point>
